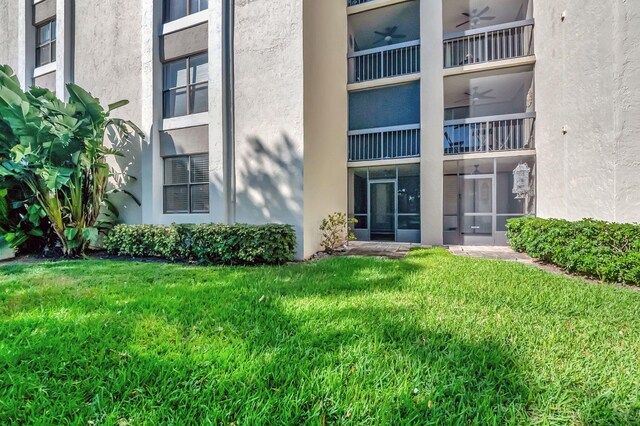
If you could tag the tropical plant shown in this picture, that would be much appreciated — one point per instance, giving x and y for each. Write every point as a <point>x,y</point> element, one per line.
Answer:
<point>53,164</point>
<point>336,231</point>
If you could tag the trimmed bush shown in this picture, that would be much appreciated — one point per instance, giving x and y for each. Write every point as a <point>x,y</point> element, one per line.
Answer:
<point>607,251</point>
<point>207,244</point>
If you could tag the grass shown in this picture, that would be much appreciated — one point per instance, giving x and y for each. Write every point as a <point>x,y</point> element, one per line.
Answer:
<point>341,341</point>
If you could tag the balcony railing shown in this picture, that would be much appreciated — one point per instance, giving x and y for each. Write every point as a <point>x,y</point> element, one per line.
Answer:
<point>499,42</point>
<point>356,2</point>
<point>384,143</point>
<point>384,62</point>
<point>489,134</point>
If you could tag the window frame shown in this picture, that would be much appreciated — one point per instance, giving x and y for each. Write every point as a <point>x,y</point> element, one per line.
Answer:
<point>189,86</point>
<point>49,44</point>
<point>188,3</point>
<point>187,185</point>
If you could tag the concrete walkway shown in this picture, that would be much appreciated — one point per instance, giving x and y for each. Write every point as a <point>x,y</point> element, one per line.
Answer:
<point>399,250</point>
<point>490,252</point>
<point>384,249</point>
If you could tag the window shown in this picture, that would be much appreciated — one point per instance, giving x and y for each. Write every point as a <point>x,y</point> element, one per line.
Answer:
<point>186,184</point>
<point>186,86</point>
<point>46,43</point>
<point>176,9</point>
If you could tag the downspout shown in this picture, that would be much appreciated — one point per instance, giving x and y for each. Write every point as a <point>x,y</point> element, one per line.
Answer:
<point>228,110</point>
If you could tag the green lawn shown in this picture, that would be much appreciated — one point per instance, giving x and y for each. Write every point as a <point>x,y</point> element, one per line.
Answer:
<point>345,340</point>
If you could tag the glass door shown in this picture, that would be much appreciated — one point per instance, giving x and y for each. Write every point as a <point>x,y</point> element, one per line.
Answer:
<point>476,209</point>
<point>383,210</point>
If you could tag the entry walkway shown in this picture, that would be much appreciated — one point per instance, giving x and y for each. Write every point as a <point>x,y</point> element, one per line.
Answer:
<point>491,252</point>
<point>374,248</point>
<point>399,250</point>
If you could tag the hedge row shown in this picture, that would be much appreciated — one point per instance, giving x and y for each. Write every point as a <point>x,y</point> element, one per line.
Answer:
<point>607,251</point>
<point>207,244</point>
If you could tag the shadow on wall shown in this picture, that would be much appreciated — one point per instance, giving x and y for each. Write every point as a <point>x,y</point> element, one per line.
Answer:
<point>126,175</point>
<point>269,183</point>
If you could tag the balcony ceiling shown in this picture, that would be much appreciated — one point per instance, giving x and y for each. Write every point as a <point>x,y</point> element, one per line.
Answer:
<point>502,11</point>
<point>503,86</point>
<point>406,16</point>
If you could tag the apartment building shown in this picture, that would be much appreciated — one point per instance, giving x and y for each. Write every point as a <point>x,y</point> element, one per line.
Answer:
<point>429,121</point>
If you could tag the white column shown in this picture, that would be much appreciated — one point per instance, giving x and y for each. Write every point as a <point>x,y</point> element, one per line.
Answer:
<point>26,43</point>
<point>221,196</point>
<point>151,114</point>
<point>64,53</point>
<point>432,119</point>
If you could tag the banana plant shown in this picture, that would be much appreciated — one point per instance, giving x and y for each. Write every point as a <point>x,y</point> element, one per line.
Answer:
<point>55,152</point>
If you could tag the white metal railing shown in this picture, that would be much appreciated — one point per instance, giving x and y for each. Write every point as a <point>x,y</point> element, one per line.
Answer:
<point>490,134</point>
<point>498,42</point>
<point>384,143</point>
<point>383,62</point>
<point>356,2</point>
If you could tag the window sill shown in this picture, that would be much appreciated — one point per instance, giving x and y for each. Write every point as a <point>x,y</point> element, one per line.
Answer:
<point>185,121</point>
<point>186,22</point>
<point>44,69</point>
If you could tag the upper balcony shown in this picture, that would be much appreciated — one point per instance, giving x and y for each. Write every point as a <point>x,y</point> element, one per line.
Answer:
<point>488,112</point>
<point>481,33</point>
<point>384,43</point>
<point>384,123</point>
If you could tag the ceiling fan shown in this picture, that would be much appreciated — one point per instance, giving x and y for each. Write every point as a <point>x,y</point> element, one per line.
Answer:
<point>475,95</point>
<point>476,16</point>
<point>388,35</point>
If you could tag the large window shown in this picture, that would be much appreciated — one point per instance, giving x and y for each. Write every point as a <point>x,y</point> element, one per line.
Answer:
<point>186,86</point>
<point>46,43</point>
<point>186,184</point>
<point>176,9</point>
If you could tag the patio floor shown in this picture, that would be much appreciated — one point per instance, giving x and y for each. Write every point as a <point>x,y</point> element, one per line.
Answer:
<point>491,252</point>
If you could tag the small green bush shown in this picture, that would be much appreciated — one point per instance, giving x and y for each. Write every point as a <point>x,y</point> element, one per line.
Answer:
<point>207,244</point>
<point>607,251</point>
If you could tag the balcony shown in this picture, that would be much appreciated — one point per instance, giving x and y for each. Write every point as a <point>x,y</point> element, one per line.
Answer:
<point>488,44</point>
<point>511,132</point>
<point>356,2</point>
<point>385,62</point>
<point>384,143</point>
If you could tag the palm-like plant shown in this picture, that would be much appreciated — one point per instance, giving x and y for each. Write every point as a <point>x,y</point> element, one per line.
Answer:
<point>55,153</point>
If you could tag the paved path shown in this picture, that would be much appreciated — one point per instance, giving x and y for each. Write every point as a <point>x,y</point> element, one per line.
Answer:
<point>399,250</point>
<point>490,252</point>
<point>372,248</point>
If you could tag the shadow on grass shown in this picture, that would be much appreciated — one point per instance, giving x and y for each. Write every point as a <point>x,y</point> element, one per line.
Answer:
<point>337,341</point>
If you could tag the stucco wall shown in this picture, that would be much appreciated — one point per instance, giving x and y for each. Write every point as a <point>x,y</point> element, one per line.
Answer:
<point>107,62</point>
<point>587,79</point>
<point>9,33</point>
<point>325,115</point>
<point>269,112</point>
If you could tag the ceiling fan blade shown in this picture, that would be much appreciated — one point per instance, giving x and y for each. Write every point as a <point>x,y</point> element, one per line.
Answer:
<point>464,23</point>
<point>468,15</point>
<point>487,18</point>
<point>391,30</point>
<point>380,34</point>
<point>467,93</point>
<point>486,92</point>
<point>399,36</point>
<point>485,10</point>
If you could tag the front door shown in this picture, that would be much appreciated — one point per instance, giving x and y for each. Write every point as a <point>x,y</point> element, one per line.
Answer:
<point>476,210</point>
<point>383,210</point>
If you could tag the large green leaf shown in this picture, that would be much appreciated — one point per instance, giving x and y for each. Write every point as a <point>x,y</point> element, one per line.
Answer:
<point>56,177</point>
<point>90,104</point>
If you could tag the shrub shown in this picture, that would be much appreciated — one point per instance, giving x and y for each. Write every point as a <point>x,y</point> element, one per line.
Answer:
<point>607,251</point>
<point>207,244</point>
<point>336,232</point>
<point>54,154</point>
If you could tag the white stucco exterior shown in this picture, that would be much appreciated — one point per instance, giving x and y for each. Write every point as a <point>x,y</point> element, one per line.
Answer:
<point>288,159</point>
